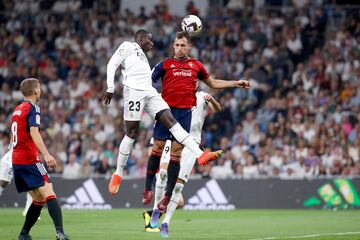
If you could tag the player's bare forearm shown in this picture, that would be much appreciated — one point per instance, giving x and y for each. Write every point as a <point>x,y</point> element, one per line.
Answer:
<point>214,105</point>
<point>218,83</point>
<point>36,137</point>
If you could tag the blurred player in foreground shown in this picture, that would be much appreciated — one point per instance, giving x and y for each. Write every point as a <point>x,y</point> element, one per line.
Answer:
<point>30,174</point>
<point>6,175</point>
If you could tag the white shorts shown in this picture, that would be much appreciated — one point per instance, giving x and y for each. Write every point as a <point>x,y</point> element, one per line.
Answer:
<point>165,157</point>
<point>187,162</point>
<point>137,101</point>
<point>6,172</point>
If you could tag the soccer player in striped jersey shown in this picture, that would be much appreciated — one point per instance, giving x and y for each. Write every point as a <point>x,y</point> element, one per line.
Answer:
<point>6,175</point>
<point>29,173</point>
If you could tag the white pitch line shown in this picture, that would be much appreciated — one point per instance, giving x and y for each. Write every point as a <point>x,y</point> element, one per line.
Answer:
<point>309,236</point>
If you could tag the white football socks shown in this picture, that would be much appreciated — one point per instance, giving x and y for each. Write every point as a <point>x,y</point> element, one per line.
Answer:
<point>124,151</point>
<point>175,198</point>
<point>160,186</point>
<point>185,139</point>
<point>27,204</point>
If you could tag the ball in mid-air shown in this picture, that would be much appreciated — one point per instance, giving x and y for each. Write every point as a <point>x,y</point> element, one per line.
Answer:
<point>191,24</point>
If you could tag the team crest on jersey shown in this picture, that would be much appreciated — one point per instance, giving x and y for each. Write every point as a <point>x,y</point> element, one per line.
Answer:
<point>191,64</point>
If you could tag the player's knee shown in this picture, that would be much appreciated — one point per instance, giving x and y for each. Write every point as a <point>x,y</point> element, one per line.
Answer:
<point>45,191</point>
<point>158,146</point>
<point>133,133</point>
<point>163,174</point>
<point>176,148</point>
<point>176,152</point>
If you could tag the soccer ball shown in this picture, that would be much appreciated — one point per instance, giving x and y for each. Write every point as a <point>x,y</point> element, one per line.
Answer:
<point>191,24</point>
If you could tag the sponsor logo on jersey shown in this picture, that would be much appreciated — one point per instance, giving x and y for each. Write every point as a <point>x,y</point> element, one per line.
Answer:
<point>172,66</point>
<point>182,73</point>
<point>209,197</point>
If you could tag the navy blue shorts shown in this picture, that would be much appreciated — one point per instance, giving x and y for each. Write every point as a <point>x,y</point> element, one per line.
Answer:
<point>30,177</point>
<point>182,115</point>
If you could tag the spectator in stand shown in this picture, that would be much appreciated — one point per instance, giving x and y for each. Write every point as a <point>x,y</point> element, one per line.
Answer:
<point>304,67</point>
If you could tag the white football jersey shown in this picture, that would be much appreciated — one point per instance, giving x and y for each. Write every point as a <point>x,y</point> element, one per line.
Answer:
<point>6,167</point>
<point>7,158</point>
<point>198,116</point>
<point>136,70</point>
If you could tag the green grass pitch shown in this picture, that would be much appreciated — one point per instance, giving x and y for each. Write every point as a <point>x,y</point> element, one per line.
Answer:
<point>239,224</point>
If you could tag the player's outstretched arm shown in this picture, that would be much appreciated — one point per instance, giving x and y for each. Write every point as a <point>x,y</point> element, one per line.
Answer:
<point>36,137</point>
<point>218,83</point>
<point>213,104</point>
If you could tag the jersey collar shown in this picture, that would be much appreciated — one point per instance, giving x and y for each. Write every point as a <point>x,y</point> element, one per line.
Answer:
<point>181,60</point>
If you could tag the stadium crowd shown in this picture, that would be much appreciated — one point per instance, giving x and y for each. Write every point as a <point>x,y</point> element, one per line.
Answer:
<point>300,119</point>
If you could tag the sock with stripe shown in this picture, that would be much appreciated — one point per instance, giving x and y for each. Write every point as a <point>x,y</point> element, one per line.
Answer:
<point>152,166</point>
<point>173,173</point>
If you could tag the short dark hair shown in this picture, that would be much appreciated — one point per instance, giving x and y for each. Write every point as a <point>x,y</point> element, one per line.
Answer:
<point>28,85</point>
<point>140,33</point>
<point>183,34</point>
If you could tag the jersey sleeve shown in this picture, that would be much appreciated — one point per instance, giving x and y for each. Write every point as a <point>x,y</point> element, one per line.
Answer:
<point>158,71</point>
<point>34,117</point>
<point>202,74</point>
<point>202,102</point>
<point>115,61</point>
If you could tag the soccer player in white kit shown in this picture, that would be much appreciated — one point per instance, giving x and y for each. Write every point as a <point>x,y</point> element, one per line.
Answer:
<point>203,100</point>
<point>6,175</point>
<point>139,96</point>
